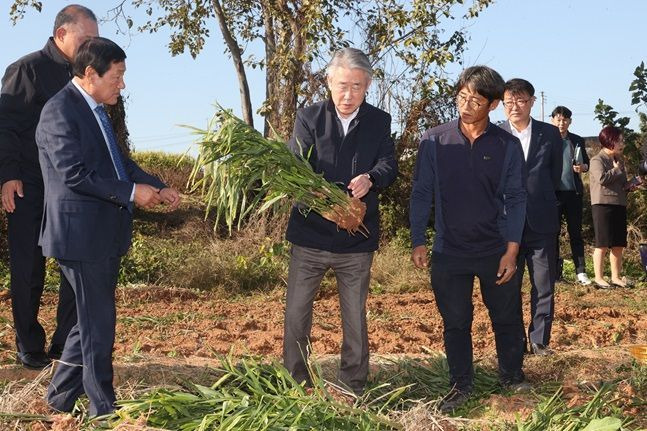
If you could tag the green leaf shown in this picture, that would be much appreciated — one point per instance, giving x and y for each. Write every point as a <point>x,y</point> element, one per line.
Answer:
<point>604,424</point>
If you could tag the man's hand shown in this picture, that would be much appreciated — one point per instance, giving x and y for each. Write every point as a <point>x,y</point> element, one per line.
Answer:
<point>508,264</point>
<point>580,168</point>
<point>419,257</point>
<point>171,197</point>
<point>10,188</point>
<point>146,196</point>
<point>360,185</point>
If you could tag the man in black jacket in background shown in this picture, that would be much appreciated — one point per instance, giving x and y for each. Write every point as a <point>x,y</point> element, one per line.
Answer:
<point>349,142</point>
<point>26,86</point>
<point>575,161</point>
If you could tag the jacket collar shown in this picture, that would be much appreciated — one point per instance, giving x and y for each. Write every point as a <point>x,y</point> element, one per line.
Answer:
<point>52,51</point>
<point>604,155</point>
<point>489,128</point>
<point>86,110</point>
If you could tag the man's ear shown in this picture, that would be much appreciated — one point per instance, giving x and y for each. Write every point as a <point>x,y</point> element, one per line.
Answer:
<point>493,105</point>
<point>60,33</point>
<point>90,74</point>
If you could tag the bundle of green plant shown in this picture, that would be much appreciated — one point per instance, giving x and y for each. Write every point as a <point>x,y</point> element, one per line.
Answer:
<point>599,414</point>
<point>250,395</point>
<point>424,380</point>
<point>244,172</point>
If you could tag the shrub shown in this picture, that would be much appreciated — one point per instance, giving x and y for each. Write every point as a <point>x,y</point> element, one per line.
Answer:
<point>172,169</point>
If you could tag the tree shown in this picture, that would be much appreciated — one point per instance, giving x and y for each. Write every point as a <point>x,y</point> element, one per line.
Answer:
<point>406,39</point>
<point>635,142</point>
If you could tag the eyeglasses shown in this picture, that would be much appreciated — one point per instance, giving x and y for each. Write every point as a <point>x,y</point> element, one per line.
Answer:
<point>471,102</point>
<point>519,102</point>
<point>354,88</point>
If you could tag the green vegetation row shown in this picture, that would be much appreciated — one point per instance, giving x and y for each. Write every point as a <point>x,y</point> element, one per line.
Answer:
<point>253,395</point>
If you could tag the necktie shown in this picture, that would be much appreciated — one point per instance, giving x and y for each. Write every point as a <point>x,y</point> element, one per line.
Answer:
<point>112,143</point>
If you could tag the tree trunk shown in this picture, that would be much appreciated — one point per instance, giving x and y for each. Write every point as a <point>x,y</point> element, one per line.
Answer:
<point>270,71</point>
<point>236,56</point>
<point>290,52</point>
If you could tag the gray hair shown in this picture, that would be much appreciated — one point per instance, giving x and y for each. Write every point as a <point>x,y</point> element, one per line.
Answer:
<point>71,14</point>
<point>350,58</point>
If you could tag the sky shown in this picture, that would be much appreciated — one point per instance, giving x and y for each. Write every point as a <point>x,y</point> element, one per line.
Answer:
<point>574,51</point>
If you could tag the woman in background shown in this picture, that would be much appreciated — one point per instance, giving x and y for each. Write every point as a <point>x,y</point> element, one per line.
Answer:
<point>608,183</point>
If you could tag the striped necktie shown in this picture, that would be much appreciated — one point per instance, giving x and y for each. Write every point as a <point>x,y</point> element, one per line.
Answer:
<point>115,154</point>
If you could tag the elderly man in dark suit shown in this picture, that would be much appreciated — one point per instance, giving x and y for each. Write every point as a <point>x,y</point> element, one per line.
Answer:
<point>90,190</point>
<point>349,142</point>
<point>26,86</point>
<point>542,148</point>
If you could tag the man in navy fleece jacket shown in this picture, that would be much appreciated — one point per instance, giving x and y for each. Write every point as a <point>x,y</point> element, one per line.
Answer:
<point>471,172</point>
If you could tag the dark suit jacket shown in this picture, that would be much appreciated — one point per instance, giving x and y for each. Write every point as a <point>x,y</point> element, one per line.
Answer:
<point>578,142</point>
<point>544,170</point>
<point>366,148</point>
<point>86,216</point>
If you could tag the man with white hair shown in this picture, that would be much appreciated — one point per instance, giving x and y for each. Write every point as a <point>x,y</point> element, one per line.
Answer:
<point>349,142</point>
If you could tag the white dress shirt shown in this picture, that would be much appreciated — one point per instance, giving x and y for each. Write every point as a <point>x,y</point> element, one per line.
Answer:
<point>93,104</point>
<point>524,137</point>
<point>345,122</point>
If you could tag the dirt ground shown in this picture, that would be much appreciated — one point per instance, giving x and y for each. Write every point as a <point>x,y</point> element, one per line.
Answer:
<point>163,334</point>
<point>180,323</point>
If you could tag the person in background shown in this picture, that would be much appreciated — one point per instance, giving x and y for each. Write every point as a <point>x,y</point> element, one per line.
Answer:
<point>26,86</point>
<point>609,187</point>
<point>471,171</point>
<point>570,191</point>
<point>349,142</point>
<point>542,149</point>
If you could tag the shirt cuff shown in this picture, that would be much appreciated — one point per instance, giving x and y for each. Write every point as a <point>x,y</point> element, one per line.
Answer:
<point>132,194</point>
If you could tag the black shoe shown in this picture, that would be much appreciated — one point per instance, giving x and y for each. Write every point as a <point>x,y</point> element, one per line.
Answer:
<point>454,399</point>
<point>34,360</point>
<point>541,350</point>
<point>55,351</point>
<point>517,384</point>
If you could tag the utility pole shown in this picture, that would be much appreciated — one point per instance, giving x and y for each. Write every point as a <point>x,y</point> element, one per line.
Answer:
<point>542,105</point>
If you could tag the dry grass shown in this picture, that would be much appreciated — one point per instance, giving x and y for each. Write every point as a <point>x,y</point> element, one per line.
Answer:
<point>425,416</point>
<point>19,397</point>
<point>392,271</point>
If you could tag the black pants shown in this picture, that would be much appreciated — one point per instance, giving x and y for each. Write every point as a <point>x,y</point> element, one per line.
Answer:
<point>570,207</point>
<point>27,266</point>
<point>452,280</point>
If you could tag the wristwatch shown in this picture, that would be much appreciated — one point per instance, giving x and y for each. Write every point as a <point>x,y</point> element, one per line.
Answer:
<point>370,177</point>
